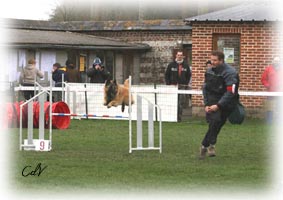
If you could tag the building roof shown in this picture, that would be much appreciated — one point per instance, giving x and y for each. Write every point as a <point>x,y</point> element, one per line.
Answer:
<point>252,11</point>
<point>98,25</point>
<point>61,39</point>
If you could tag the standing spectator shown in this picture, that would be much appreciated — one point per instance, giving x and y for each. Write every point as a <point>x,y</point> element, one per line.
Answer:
<point>57,73</point>
<point>220,93</point>
<point>72,73</point>
<point>98,73</point>
<point>270,76</point>
<point>178,73</point>
<point>28,77</point>
<point>270,80</point>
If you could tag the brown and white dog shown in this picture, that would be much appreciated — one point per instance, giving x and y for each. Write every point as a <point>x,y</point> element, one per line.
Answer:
<point>116,94</point>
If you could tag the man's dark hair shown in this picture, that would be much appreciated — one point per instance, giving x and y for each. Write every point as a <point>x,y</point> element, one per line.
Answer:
<point>57,65</point>
<point>219,54</point>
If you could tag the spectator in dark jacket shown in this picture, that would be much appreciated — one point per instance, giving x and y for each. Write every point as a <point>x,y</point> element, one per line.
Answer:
<point>98,73</point>
<point>178,73</point>
<point>72,73</point>
<point>57,73</point>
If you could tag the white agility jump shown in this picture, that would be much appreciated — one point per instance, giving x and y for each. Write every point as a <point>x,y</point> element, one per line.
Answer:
<point>40,144</point>
<point>45,145</point>
<point>139,113</point>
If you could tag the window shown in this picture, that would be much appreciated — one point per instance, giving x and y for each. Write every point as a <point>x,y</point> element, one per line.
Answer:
<point>109,62</point>
<point>229,44</point>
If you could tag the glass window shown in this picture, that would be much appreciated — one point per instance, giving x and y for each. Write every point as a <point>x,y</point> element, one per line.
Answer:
<point>109,62</point>
<point>229,44</point>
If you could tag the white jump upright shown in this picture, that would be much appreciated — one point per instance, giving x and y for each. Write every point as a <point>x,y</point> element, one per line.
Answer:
<point>40,144</point>
<point>139,133</point>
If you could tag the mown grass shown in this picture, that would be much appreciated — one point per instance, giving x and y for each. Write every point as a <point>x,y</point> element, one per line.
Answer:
<point>94,155</point>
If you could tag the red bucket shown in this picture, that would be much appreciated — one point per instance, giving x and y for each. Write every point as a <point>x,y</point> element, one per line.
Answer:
<point>11,115</point>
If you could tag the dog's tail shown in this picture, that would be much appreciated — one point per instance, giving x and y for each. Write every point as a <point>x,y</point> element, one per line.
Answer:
<point>123,107</point>
<point>126,83</point>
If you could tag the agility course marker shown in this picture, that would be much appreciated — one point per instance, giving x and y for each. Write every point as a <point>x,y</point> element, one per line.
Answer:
<point>38,145</point>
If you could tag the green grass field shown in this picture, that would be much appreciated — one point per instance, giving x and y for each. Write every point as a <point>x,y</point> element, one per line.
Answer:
<point>94,155</point>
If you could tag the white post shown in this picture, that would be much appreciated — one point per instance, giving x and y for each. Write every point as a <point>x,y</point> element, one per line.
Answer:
<point>130,114</point>
<point>74,102</point>
<point>67,94</point>
<point>62,84</point>
<point>21,126</point>
<point>41,116</point>
<point>50,112</point>
<point>150,125</point>
<point>30,123</point>
<point>139,121</point>
<point>160,130</point>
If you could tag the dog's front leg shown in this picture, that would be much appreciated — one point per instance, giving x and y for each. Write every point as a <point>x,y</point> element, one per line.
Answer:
<point>105,100</point>
<point>113,103</point>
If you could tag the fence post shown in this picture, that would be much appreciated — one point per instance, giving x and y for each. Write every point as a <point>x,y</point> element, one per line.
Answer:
<point>150,126</point>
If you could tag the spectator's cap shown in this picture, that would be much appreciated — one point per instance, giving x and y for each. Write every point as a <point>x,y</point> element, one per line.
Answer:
<point>276,60</point>
<point>57,65</point>
<point>97,61</point>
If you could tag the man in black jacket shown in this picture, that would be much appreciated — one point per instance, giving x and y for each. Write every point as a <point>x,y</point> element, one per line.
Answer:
<point>98,73</point>
<point>220,94</point>
<point>178,73</point>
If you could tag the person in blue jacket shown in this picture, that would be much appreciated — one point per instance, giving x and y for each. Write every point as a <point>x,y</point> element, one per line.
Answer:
<point>220,95</point>
<point>58,72</point>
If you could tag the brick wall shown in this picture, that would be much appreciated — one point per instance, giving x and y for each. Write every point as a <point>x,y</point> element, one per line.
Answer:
<point>258,45</point>
<point>153,62</point>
